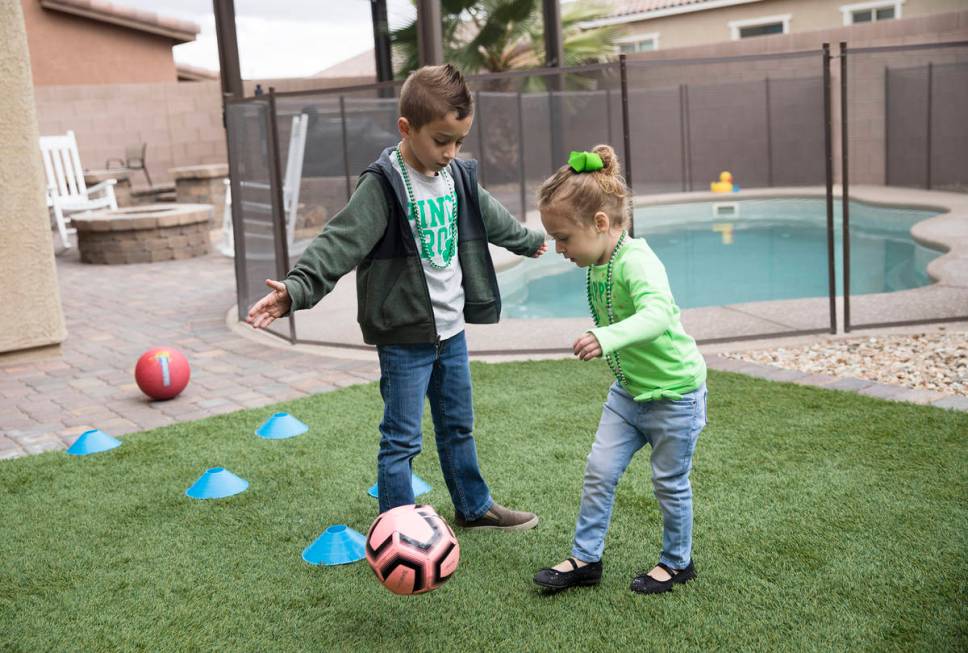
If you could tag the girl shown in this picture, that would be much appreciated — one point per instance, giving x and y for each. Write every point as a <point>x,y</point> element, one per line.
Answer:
<point>659,395</point>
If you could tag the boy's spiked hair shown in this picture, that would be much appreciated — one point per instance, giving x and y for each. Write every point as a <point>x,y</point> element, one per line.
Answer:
<point>432,92</point>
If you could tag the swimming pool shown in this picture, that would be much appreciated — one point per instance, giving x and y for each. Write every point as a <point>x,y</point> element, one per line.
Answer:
<point>719,253</point>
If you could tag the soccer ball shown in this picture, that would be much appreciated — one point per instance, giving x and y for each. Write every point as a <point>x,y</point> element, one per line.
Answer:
<point>411,549</point>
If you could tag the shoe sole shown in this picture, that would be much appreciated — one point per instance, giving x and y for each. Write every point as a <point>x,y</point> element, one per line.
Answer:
<point>523,526</point>
<point>582,583</point>
<point>675,581</point>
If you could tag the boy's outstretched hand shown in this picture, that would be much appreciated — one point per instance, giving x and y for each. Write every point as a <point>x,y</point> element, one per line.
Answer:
<point>587,347</point>
<point>276,304</point>
<point>541,250</point>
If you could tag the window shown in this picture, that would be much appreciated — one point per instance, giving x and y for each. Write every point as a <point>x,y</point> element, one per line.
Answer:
<point>744,29</point>
<point>869,12</point>
<point>638,43</point>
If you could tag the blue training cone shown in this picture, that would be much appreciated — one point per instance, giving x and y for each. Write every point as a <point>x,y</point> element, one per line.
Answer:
<point>419,486</point>
<point>93,441</point>
<point>337,545</point>
<point>281,426</point>
<point>216,483</point>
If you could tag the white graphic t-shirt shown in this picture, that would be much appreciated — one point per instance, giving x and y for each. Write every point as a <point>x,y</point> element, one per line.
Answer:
<point>436,213</point>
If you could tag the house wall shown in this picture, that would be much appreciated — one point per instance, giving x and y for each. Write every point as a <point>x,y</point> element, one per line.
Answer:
<point>31,315</point>
<point>712,26</point>
<point>66,49</point>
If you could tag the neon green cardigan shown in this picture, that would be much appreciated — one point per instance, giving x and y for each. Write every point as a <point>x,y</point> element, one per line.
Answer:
<point>659,359</point>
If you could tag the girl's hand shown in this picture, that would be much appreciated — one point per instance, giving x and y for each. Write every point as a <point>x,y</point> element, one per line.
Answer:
<point>541,250</point>
<point>276,304</point>
<point>587,347</point>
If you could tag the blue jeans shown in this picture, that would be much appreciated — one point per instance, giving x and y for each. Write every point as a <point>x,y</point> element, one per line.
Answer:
<point>672,428</point>
<point>408,373</point>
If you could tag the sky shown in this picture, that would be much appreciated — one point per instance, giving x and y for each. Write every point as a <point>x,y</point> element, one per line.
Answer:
<point>279,38</point>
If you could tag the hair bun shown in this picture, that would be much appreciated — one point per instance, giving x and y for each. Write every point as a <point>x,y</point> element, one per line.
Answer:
<point>610,161</point>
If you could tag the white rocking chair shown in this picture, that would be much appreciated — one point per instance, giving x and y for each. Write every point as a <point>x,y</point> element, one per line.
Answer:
<point>66,190</point>
<point>290,191</point>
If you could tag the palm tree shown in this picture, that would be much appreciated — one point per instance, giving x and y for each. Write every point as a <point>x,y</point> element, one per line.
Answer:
<point>499,35</point>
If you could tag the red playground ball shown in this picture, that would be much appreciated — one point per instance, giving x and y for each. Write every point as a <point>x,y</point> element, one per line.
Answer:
<point>411,549</point>
<point>162,372</point>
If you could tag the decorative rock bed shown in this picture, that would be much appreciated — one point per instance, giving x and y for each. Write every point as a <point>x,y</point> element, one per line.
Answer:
<point>932,361</point>
<point>143,234</point>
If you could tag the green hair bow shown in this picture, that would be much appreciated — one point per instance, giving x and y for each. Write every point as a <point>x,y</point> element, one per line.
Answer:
<point>585,161</point>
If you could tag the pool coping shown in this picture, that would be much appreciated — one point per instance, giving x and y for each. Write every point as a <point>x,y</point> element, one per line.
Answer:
<point>331,328</point>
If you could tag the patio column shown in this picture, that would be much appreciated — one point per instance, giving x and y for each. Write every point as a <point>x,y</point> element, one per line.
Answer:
<point>381,41</point>
<point>554,58</point>
<point>31,315</point>
<point>554,48</point>
<point>228,48</point>
<point>430,44</point>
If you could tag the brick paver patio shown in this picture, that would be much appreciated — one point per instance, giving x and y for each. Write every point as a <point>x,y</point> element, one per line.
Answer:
<point>113,314</point>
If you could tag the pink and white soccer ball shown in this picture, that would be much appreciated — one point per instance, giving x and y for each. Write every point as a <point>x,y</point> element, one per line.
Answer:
<point>411,549</point>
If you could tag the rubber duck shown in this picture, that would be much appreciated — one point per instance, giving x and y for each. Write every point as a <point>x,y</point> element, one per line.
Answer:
<point>724,185</point>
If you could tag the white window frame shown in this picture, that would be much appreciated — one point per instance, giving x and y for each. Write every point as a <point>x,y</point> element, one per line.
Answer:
<point>848,10</point>
<point>636,38</point>
<point>735,25</point>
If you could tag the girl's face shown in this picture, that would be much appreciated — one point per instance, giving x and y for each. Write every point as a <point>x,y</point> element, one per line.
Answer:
<point>434,145</point>
<point>581,243</point>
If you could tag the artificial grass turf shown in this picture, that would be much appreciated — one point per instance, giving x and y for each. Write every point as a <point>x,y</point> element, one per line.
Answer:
<point>823,521</point>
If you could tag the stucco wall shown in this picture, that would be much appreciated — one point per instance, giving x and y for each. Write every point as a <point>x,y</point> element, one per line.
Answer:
<point>712,26</point>
<point>66,49</point>
<point>31,315</point>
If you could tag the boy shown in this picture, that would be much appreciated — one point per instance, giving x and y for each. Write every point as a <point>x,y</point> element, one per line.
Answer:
<point>417,229</point>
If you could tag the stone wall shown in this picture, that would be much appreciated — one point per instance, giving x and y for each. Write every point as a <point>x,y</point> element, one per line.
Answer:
<point>144,234</point>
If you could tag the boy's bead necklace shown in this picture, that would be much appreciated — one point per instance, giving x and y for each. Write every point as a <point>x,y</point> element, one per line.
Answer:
<point>614,363</point>
<point>425,249</point>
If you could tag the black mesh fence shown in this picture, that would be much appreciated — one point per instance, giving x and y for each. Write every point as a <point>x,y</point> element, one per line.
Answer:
<point>906,133</point>
<point>755,258</point>
<point>254,203</point>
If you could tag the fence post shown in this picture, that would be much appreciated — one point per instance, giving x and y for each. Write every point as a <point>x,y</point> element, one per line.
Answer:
<point>346,147</point>
<point>682,137</point>
<point>521,172</point>
<point>278,206</point>
<point>887,126</point>
<point>478,117</point>
<point>687,143</point>
<point>769,137</point>
<point>623,70</point>
<point>845,184</point>
<point>829,158</point>
<point>928,136</point>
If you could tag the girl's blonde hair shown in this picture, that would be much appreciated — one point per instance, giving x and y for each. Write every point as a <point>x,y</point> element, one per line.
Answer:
<point>587,193</point>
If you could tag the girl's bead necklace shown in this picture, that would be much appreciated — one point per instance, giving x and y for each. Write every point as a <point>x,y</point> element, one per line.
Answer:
<point>425,248</point>
<point>614,363</point>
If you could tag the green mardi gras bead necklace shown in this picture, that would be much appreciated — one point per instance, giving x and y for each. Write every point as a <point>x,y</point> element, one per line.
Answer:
<point>612,359</point>
<point>425,249</point>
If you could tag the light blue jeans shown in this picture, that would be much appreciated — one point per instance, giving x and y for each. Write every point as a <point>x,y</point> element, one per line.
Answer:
<point>672,429</point>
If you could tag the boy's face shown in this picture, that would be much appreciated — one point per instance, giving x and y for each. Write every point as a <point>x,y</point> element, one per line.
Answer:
<point>434,145</point>
<point>582,243</point>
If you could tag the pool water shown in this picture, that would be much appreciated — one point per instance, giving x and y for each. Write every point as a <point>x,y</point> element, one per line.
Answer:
<point>749,251</point>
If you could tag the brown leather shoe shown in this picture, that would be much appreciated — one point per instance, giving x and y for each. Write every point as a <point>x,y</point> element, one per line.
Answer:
<point>501,518</point>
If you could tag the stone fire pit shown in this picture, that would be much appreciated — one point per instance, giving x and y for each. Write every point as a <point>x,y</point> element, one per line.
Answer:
<point>143,234</point>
